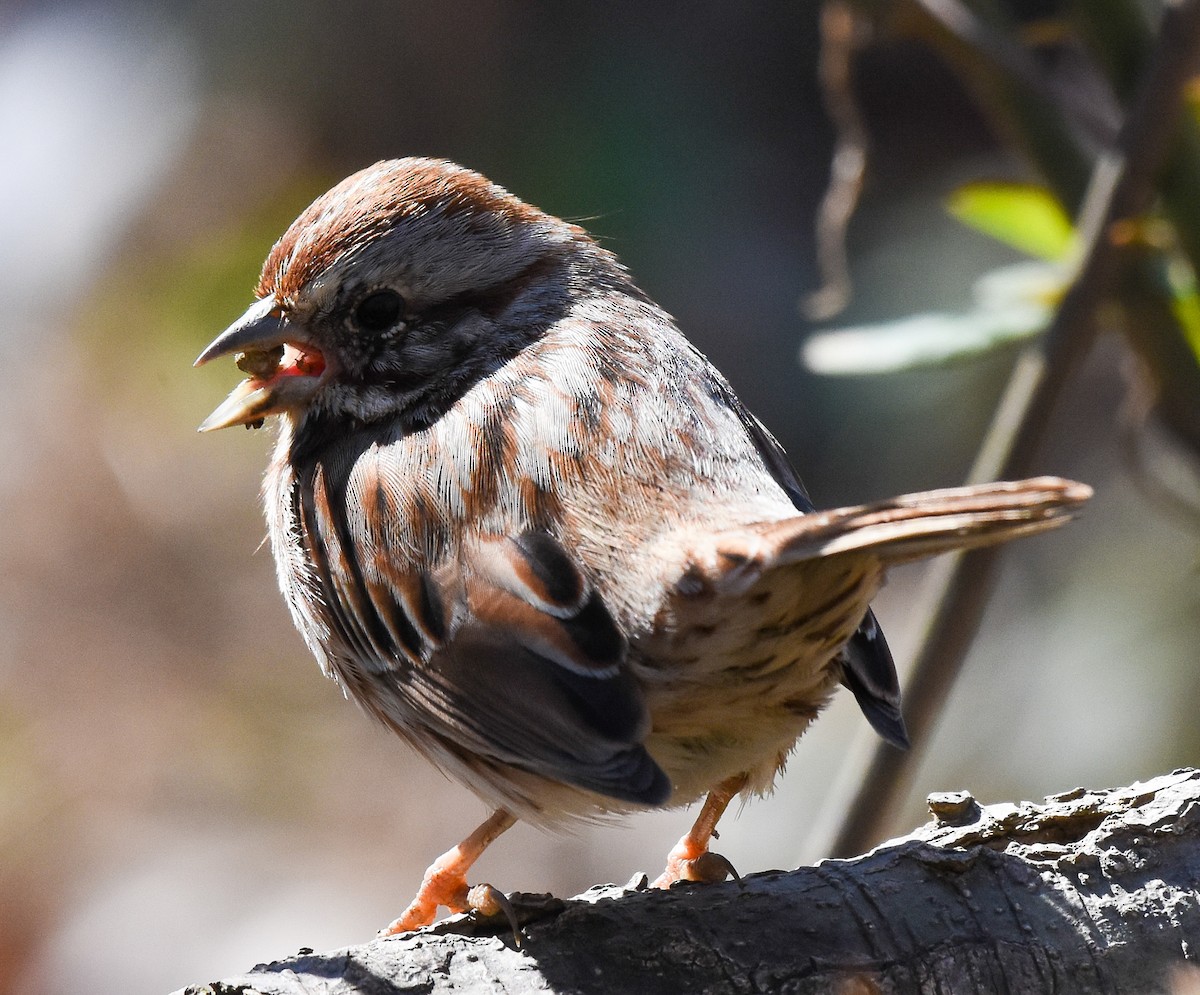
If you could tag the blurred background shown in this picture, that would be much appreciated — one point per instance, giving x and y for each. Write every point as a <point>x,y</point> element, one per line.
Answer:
<point>182,794</point>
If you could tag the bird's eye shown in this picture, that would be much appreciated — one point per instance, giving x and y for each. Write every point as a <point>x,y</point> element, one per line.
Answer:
<point>379,311</point>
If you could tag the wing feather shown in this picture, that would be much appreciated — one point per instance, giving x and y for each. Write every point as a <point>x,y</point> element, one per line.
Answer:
<point>505,652</point>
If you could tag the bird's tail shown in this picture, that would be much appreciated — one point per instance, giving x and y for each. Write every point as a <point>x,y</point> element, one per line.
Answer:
<point>931,522</point>
<point>892,531</point>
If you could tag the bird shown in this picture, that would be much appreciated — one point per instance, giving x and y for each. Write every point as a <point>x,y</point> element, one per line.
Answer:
<point>526,524</point>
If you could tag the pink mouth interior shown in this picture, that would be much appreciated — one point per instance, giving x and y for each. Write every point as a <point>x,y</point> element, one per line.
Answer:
<point>298,361</point>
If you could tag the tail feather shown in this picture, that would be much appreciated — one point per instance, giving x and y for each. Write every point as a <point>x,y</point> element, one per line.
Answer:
<point>892,531</point>
<point>924,524</point>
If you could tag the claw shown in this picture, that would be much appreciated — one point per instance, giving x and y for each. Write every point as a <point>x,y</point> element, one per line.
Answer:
<point>712,868</point>
<point>444,884</point>
<point>489,902</point>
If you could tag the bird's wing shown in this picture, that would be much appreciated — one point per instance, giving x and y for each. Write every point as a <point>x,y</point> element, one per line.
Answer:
<point>504,651</point>
<point>536,674</point>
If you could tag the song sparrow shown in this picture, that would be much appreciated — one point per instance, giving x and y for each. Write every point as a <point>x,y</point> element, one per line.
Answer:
<point>525,524</point>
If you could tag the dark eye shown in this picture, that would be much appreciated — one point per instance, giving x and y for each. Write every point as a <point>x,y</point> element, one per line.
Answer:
<point>379,311</point>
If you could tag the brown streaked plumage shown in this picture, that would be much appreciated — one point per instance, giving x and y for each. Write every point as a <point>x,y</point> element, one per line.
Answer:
<point>528,526</point>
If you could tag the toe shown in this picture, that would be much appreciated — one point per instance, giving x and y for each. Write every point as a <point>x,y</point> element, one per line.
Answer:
<point>711,868</point>
<point>489,902</point>
<point>442,886</point>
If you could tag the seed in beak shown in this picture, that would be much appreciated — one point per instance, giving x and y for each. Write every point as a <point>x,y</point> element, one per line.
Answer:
<point>259,363</point>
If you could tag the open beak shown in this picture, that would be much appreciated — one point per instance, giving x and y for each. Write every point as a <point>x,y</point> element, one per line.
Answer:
<point>285,371</point>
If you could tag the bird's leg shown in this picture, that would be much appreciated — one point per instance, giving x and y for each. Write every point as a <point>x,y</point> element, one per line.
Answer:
<point>691,859</point>
<point>445,883</point>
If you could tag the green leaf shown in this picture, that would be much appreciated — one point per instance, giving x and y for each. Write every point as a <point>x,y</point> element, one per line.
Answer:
<point>1185,302</point>
<point>1027,217</point>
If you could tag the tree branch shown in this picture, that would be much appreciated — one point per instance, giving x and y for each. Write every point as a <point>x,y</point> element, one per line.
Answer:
<point>1093,891</point>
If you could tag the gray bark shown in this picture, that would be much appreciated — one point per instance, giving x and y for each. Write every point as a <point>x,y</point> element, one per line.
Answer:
<point>1090,891</point>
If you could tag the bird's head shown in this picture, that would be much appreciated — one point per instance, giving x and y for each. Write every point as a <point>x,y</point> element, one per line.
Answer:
<point>399,285</point>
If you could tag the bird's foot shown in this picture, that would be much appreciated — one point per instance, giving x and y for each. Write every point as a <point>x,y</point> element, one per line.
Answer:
<point>444,884</point>
<point>449,888</point>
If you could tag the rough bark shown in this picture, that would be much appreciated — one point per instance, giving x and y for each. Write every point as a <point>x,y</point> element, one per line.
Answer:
<point>1090,891</point>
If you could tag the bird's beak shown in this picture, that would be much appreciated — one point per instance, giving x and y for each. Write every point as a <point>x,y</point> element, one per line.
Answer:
<point>285,371</point>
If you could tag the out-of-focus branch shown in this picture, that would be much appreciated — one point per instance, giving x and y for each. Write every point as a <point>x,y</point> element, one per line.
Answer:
<point>1126,188</point>
<point>842,34</point>
<point>1118,33</point>
<point>1101,120</point>
<point>1018,110</point>
<point>1135,425</point>
<point>1037,114</point>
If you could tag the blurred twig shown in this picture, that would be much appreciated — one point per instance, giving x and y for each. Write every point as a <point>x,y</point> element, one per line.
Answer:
<point>1122,40</point>
<point>1125,186</point>
<point>842,33</point>
<point>1135,423</point>
<point>1100,120</point>
<point>1017,109</point>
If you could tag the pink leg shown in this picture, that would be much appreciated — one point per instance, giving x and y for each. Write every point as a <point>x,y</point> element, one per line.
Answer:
<point>445,883</point>
<point>691,859</point>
